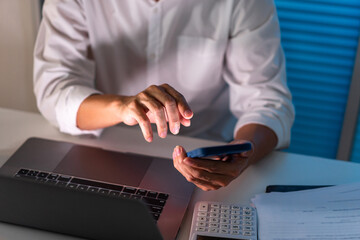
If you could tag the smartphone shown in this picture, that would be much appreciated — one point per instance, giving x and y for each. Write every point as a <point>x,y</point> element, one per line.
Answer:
<point>292,188</point>
<point>221,150</point>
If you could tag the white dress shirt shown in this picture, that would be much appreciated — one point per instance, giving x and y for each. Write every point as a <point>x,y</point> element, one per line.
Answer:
<point>224,56</point>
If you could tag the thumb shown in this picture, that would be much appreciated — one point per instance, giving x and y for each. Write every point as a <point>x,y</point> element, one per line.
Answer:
<point>179,153</point>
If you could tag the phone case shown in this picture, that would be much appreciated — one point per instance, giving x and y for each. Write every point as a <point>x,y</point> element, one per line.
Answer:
<point>291,188</point>
<point>219,150</point>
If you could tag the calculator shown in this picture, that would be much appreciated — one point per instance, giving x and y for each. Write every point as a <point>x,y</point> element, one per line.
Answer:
<point>223,221</point>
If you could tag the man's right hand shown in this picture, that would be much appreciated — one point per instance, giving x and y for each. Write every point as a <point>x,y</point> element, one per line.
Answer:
<point>156,104</point>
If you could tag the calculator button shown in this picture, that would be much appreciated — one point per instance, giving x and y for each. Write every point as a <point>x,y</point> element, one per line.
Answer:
<point>225,207</point>
<point>248,233</point>
<point>235,227</point>
<point>247,218</point>
<point>237,222</point>
<point>224,215</point>
<point>235,212</point>
<point>226,211</point>
<point>214,225</point>
<point>214,215</point>
<point>249,213</point>
<point>248,223</point>
<point>215,210</point>
<point>203,207</point>
<point>201,224</point>
<point>248,229</point>
<point>202,219</point>
<point>236,232</point>
<point>224,231</point>
<point>235,217</point>
<point>224,226</point>
<point>235,208</point>
<point>215,205</point>
<point>214,220</point>
<point>247,208</point>
<point>201,229</point>
<point>224,221</point>
<point>214,230</point>
<point>202,214</point>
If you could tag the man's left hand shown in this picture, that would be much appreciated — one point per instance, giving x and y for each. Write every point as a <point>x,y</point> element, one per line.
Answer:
<point>211,174</point>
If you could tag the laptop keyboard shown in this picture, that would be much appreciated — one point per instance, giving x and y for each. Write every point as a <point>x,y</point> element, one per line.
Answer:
<point>154,200</point>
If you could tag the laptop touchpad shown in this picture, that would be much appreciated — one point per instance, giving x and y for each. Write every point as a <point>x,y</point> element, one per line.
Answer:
<point>103,165</point>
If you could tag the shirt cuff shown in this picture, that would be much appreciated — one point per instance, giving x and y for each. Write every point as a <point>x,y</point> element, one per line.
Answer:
<point>269,120</point>
<point>68,106</point>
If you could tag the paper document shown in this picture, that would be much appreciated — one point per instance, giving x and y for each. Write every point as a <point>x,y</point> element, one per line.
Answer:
<point>324,213</point>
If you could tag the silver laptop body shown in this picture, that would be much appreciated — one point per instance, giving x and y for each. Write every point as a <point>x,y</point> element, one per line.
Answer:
<point>129,170</point>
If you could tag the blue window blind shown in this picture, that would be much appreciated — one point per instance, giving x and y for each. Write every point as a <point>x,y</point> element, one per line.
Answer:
<point>355,156</point>
<point>320,40</point>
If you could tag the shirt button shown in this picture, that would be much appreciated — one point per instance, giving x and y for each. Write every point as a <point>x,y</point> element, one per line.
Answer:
<point>152,56</point>
<point>155,10</point>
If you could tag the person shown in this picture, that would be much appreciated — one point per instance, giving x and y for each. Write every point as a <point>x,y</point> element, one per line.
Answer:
<point>215,67</point>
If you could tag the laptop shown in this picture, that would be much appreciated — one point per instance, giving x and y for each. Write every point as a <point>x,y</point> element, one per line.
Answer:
<point>71,211</point>
<point>151,180</point>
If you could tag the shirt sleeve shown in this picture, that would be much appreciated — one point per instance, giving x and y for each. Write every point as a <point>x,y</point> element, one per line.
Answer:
<point>63,68</point>
<point>255,70</point>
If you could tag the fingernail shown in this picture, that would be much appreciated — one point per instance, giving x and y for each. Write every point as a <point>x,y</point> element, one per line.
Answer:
<point>176,129</point>
<point>149,139</point>
<point>188,113</point>
<point>163,134</point>
<point>177,151</point>
<point>180,152</point>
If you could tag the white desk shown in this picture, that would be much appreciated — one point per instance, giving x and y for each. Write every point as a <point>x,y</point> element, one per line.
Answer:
<point>278,168</point>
